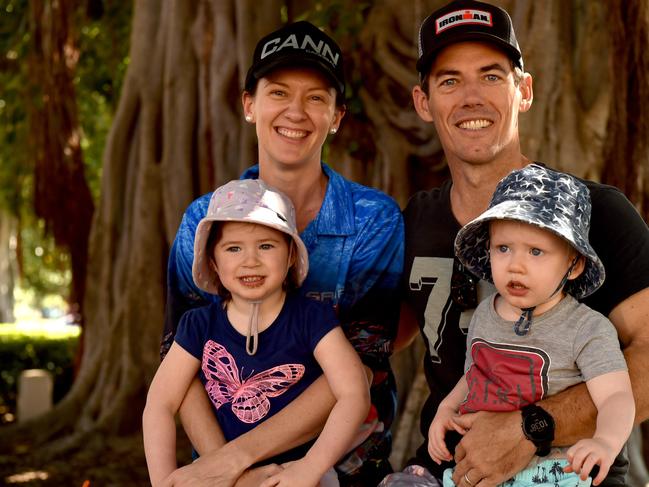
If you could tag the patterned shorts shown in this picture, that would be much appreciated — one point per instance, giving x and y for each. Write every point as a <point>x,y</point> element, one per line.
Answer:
<point>548,473</point>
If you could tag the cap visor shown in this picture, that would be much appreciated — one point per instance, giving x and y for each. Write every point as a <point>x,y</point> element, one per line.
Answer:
<point>299,61</point>
<point>424,64</point>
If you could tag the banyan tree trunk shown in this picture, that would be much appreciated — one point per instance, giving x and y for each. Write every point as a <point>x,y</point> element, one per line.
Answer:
<point>7,266</point>
<point>177,133</point>
<point>61,195</point>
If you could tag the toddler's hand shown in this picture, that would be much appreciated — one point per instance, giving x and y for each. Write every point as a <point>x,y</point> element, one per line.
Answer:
<point>585,454</point>
<point>442,422</point>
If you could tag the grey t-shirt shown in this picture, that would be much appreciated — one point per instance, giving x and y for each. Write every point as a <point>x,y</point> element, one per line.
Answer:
<point>569,344</point>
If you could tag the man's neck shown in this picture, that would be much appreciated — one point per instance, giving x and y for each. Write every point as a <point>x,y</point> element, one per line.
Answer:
<point>305,186</point>
<point>474,184</point>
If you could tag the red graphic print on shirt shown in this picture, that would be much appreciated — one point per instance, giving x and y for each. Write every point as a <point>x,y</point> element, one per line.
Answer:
<point>505,377</point>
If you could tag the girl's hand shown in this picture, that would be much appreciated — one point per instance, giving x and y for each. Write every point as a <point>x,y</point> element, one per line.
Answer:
<point>295,474</point>
<point>585,454</point>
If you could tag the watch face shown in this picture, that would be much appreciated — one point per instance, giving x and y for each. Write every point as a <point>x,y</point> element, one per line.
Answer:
<point>537,427</point>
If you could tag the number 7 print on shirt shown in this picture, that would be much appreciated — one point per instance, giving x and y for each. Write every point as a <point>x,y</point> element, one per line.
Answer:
<point>432,275</point>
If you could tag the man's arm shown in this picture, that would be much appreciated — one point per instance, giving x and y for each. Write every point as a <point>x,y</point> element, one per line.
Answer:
<point>348,382</point>
<point>495,448</point>
<point>631,319</point>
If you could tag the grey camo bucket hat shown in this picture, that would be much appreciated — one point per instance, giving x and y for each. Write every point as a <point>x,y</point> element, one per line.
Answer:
<point>249,201</point>
<point>547,199</point>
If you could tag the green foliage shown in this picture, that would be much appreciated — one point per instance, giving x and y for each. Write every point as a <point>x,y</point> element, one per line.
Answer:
<point>34,348</point>
<point>344,17</point>
<point>103,58</point>
<point>103,46</point>
<point>14,168</point>
<point>46,269</point>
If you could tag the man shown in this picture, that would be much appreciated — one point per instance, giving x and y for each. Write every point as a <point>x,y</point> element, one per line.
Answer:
<point>473,89</point>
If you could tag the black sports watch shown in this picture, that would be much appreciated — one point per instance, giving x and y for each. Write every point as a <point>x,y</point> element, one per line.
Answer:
<point>538,427</point>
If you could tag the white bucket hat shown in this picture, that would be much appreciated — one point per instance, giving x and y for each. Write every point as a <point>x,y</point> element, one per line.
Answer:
<point>249,201</point>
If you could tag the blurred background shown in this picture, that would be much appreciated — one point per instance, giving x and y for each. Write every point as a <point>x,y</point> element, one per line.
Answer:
<point>114,115</point>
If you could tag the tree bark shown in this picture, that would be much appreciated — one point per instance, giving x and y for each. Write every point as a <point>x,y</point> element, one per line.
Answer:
<point>177,132</point>
<point>7,266</point>
<point>626,150</point>
<point>61,195</point>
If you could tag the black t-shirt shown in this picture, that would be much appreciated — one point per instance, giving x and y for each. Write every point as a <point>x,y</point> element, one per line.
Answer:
<point>618,234</point>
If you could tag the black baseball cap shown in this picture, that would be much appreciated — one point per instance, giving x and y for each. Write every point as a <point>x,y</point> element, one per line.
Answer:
<point>300,44</point>
<point>466,20</point>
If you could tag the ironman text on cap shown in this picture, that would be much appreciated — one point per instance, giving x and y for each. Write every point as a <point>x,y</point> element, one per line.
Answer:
<point>462,17</point>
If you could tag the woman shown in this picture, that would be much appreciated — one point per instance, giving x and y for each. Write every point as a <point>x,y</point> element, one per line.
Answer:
<point>294,95</point>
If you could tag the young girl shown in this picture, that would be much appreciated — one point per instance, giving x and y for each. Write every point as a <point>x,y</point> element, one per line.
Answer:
<point>532,339</point>
<point>262,345</point>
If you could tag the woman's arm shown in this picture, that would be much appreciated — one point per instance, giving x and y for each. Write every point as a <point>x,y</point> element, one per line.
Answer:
<point>197,417</point>
<point>299,422</point>
<point>166,393</point>
<point>346,377</point>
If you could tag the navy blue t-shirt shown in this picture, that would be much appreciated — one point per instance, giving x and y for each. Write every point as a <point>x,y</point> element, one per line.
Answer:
<point>246,390</point>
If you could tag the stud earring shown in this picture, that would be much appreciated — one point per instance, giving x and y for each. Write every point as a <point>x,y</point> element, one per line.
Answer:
<point>248,117</point>
<point>333,130</point>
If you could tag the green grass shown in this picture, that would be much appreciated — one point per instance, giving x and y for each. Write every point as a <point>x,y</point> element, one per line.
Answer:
<point>41,328</point>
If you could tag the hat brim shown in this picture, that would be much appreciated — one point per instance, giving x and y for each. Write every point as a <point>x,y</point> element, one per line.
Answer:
<point>294,60</point>
<point>472,245</point>
<point>425,62</point>
<point>204,274</point>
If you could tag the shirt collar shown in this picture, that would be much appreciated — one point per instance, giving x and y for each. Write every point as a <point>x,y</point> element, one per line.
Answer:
<point>336,215</point>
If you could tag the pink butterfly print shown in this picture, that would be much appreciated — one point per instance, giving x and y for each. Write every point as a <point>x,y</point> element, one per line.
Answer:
<point>249,397</point>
